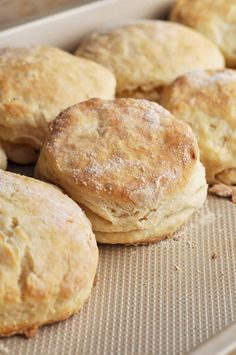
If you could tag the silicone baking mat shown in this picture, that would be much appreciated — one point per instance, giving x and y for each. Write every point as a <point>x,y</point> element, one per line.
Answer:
<point>163,298</point>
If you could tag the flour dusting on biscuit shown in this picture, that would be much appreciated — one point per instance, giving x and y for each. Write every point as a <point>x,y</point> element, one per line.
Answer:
<point>132,167</point>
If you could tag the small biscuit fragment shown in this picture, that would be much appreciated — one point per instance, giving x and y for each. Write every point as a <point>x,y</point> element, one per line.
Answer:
<point>206,100</point>
<point>132,167</point>
<point>215,19</point>
<point>36,83</point>
<point>223,190</point>
<point>147,55</point>
<point>48,255</point>
<point>3,158</point>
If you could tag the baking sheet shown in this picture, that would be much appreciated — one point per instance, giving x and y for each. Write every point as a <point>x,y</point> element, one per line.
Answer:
<point>66,28</point>
<point>16,12</point>
<point>162,298</point>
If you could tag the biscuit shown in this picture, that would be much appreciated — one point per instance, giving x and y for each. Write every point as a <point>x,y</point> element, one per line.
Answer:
<point>48,255</point>
<point>213,18</point>
<point>131,166</point>
<point>147,55</point>
<point>36,83</point>
<point>206,100</point>
<point>3,158</point>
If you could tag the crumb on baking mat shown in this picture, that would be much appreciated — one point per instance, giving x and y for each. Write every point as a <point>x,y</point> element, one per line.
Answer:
<point>223,190</point>
<point>177,268</point>
<point>190,244</point>
<point>215,255</point>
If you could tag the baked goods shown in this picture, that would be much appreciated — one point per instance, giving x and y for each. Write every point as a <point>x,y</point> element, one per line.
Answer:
<point>223,190</point>
<point>216,19</point>
<point>36,83</point>
<point>206,100</point>
<point>147,55</point>
<point>3,158</point>
<point>48,255</point>
<point>132,167</point>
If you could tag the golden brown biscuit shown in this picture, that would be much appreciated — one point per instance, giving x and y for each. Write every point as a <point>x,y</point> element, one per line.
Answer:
<point>36,83</point>
<point>216,19</point>
<point>132,167</point>
<point>3,158</point>
<point>206,100</point>
<point>147,55</point>
<point>48,255</point>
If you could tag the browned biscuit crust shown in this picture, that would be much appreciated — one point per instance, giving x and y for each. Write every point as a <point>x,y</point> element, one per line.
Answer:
<point>36,83</point>
<point>48,255</point>
<point>147,55</point>
<point>215,19</point>
<point>206,100</point>
<point>124,161</point>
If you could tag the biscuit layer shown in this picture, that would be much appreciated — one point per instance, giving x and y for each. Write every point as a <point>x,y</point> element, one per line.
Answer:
<point>147,55</point>
<point>206,100</point>
<point>48,255</point>
<point>124,161</point>
<point>36,83</point>
<point>215,19</point>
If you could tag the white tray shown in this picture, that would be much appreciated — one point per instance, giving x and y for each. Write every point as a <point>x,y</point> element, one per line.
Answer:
<point>166,298</point>
<point>66,28</point>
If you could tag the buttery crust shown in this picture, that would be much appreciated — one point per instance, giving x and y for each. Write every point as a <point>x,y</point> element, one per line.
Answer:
<point>216,19</point>
<point>36,83</point>
<point>48,255</point>
<point>206,100</point>
<point>147,55</point>
<point>3,158</point>
<point>129,164</point>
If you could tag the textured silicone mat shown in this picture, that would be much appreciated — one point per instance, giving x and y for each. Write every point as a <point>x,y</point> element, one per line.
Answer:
<point>162,298</point>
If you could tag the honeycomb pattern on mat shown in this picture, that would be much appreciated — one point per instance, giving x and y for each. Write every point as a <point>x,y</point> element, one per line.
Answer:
<point>163,298</point>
